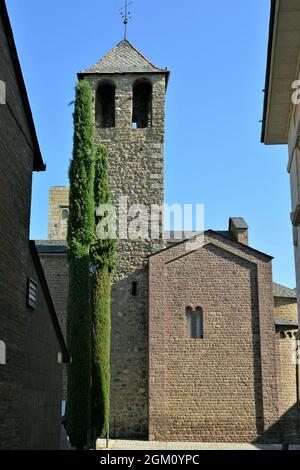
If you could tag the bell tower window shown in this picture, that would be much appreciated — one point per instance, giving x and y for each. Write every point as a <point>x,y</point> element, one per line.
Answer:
<point>142,105</point>
<point>105,106</point>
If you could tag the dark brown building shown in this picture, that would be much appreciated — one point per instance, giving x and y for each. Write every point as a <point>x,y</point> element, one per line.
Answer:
<point>32,347</point>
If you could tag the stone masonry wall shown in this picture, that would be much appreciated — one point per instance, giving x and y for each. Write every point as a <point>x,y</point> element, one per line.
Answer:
<point>287,384</point>
<point>223,387</point>
<point>56,270</point>
<point>286,308</point>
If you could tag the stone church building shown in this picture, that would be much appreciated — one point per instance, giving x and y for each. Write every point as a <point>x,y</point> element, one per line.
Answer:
<point>202,340</point>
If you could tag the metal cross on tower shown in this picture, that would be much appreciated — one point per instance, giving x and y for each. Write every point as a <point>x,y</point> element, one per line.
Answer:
<point>126,15</point>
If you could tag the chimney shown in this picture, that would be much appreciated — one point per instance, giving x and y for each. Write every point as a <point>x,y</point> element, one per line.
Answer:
<point>239,230</point>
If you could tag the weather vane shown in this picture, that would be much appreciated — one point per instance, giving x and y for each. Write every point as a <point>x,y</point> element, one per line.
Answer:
<point>126,15</point>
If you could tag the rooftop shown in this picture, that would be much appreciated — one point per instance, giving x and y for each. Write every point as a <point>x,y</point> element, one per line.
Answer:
<point>123,58</point>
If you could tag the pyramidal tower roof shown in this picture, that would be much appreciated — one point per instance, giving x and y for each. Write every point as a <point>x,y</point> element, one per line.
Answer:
<point>123,58</point>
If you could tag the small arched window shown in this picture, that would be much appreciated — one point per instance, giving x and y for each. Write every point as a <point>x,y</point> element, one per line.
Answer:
<point>65,214</point>
<point>194,320</point>
<point>2,353</point>
<point>105,105</point>
<point>142,105</point>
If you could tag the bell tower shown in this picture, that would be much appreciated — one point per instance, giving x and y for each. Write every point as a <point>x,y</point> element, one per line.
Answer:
<point>129,108</point>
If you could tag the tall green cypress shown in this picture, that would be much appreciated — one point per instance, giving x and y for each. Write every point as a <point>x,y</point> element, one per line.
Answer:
<point>80,233</point>
<point>103,260</point>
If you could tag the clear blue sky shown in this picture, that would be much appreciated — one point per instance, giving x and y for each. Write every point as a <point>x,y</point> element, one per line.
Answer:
<point>216,52</point>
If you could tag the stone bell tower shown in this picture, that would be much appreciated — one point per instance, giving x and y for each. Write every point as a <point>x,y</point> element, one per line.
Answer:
<point>129,108</point>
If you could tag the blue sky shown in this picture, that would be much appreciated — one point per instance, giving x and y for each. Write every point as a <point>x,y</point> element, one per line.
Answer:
<point>216,52</point>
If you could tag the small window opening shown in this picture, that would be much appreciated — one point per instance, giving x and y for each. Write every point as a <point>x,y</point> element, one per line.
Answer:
<point>142,105</point>
<point>194,323</point>
<point>134,289</point>
<point>105,106</point>
<point>65,214</point>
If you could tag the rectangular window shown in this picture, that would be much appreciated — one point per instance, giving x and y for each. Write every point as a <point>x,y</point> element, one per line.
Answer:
<point>32,293</point>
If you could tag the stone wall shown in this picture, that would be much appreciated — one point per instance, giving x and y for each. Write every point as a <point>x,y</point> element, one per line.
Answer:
<point>56,270</point>
<point>58,208</point>
<point>223,387</point>
<point>16,164</point>
<point>286,308</point>
<point>136,171</point>
<point>42,376</point>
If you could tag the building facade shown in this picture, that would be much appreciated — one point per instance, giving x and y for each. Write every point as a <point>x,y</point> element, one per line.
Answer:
<point>32,345</point>
<point>195,344</point>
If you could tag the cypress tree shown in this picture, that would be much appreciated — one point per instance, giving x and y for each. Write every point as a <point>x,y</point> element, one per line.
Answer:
<point>80,233</point>
<point>103,260</point>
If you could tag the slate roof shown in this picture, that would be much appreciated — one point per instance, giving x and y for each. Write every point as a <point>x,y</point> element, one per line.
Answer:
<point>48,298</point>
<point>283,291</point>
<point>224,234</point>
<point>123,58</point>
<point>51,246</point>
